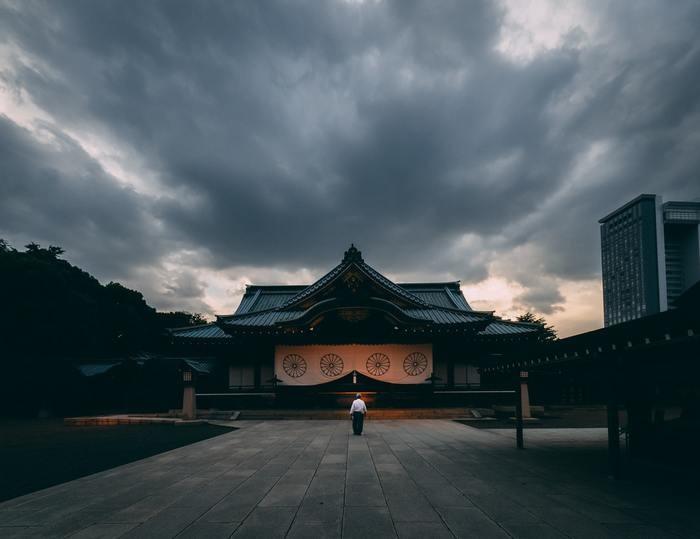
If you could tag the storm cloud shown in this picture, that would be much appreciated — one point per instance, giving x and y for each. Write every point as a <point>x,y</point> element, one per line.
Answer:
<point>186,149</point>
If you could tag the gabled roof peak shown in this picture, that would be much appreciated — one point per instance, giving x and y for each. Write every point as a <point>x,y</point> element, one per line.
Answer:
<point>353,254</point>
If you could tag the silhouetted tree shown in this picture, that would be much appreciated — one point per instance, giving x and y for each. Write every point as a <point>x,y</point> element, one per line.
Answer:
<point>179,319</point>
<point>55,251</point>
<point>5,246</point>
<point>52,311</point>
<point>52,308</point>
<point>51,252</point>
<point>549,334</point>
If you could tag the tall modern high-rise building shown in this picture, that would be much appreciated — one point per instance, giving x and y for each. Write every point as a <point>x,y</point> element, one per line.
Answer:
<point>650,255</point>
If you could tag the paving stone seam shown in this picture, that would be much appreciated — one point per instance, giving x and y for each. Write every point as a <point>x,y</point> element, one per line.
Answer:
<point>184,494</point>
<point>400,432</point>
<point>325,450</point>
<point>443,447</point>
<point>345,481</point>
<point>381,486</point>
<point>538,472</point>
<point>242,463</point>
<point>464,494</point>
<point>266,492</point>
<point>129,466</point>
<point>204,511</point>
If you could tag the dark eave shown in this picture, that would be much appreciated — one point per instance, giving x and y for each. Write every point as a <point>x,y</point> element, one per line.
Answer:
<point>626,341</point>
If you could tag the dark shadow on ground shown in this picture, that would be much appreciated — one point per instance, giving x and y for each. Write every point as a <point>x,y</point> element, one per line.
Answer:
<point>36,454</point>
<point>538,423</point>
<point>554,418</point>
<point>668,466</point>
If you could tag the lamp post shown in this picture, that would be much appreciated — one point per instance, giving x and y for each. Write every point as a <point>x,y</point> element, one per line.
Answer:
<point>274,381</point>
<point>432,379</point>
<point>522,402</point>
<point>189,397</point>
<point>525,394</point>
<point>613,411</point>
<point>275,384</point>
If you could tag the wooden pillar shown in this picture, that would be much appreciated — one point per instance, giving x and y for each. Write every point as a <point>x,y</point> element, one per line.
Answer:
<point>614,463</point>
<point>639,425</point>
<point>659,414</point>
<point>519,438</point>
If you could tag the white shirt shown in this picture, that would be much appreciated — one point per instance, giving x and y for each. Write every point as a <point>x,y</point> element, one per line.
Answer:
<point>358,405</point>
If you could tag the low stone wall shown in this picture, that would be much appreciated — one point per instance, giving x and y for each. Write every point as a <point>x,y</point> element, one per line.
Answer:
<point>128,420</point>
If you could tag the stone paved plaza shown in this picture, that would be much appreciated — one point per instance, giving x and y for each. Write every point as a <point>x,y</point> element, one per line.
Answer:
<point>413,478</point>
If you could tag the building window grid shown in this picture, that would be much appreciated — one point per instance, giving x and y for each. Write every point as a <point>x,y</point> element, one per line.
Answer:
<point>622,265</point>
<point>682,215</point>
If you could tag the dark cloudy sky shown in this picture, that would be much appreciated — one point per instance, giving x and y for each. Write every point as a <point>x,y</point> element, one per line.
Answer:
<point>188,148</point>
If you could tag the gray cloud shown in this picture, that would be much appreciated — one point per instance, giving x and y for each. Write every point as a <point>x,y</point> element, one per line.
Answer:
<point>273,134</point>
<point>53,190</point>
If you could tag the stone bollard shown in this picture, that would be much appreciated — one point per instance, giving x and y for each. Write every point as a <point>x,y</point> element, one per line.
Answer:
<point>524,394</point>
<point>189,396</point>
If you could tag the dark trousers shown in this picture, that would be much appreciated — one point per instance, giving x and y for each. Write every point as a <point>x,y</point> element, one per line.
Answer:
<point>358,420</point>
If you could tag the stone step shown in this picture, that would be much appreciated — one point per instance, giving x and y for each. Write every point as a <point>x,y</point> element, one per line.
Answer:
<point>378,414</point>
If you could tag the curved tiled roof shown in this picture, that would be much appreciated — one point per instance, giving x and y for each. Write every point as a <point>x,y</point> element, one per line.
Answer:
<point>365,268</point>
<point>262,319</point>
<point>432,315</point>
<point>309,290</point>
<point>436,304</point>
<point>447,316</point>
<point>271,318</point>
<point>447,295</point>
<point>258,298</point>
<point>205,331</point>
<point>390,285</point>
<point>353,257</point>
<point>506,327</point>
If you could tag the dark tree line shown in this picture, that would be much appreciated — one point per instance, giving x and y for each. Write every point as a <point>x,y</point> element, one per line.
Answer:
<point>49,307</point>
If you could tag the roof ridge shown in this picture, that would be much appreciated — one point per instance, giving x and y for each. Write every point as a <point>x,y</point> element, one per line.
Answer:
<point>306,291</point>
<point>354,256</point>
<point>451,296</point>
<point>411,296</point>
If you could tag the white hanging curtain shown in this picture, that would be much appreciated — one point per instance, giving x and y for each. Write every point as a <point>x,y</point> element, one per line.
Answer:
<point>317,364</point>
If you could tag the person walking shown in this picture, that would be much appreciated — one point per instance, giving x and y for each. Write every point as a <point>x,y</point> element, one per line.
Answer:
<point>358,411</point>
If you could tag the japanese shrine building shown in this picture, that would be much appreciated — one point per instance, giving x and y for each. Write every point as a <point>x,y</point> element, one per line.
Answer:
<point>352,330</point>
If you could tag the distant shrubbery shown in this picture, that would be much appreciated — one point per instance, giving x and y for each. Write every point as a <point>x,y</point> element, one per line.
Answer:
<point>48,307</point>
<point>55,316</point>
